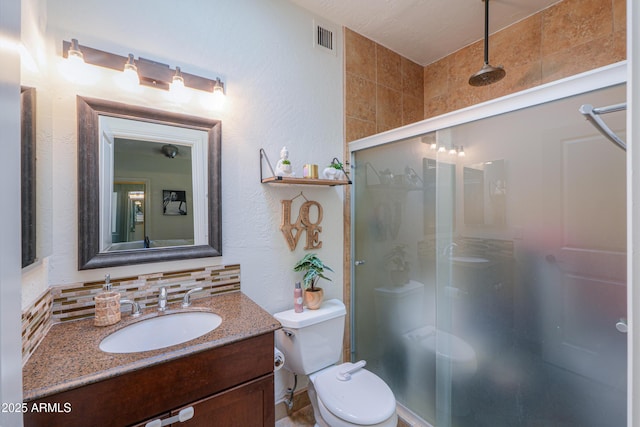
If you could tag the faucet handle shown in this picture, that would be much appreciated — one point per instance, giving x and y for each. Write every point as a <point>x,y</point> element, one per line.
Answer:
<point>186,300</point>
<point>135,306</point>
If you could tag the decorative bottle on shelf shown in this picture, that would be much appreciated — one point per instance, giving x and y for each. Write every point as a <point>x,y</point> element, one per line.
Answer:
<point>107,305</point>
<point>297,299</point>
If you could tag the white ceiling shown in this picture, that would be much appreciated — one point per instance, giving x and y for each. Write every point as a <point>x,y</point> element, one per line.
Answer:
<point>423,30</point>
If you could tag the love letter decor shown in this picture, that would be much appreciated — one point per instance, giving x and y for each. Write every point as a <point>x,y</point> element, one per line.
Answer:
<point>293,231</point>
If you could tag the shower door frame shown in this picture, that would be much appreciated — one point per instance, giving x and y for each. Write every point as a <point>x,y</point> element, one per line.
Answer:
<point>600,78</point>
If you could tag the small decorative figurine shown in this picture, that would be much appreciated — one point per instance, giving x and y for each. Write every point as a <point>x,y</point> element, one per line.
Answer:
<point>283,167</point>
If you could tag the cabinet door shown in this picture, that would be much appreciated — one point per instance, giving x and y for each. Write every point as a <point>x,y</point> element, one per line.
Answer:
<point>250,404</point>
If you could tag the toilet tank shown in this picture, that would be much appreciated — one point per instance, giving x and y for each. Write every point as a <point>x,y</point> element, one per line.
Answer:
<point>400,309</point>
<point>311,340</point>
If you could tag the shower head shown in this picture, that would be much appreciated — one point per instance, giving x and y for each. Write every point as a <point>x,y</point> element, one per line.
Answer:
<point>488,74</point>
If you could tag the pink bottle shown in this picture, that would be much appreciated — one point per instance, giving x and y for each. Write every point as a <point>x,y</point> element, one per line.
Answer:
<point>297,299</point>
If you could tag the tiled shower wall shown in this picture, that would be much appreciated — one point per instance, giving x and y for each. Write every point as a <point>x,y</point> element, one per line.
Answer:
<point>76,301</point>
<point>565,39</point>
<point>383,90</point>
<point>568,38</point>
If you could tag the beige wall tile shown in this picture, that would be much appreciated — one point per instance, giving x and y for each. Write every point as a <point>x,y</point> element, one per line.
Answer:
<point>436,78</point>
<point>577,59</point>
<point>436,105</point>
<point>360,98</point>
<point>360,55</point>
<point>388,108</point>
<point>574,22</point>
<point>356,128</point>
<point>412,109</point>
<point>619,15</point>
<point>465,63</point>
<point>518,44</point>
<point>412,78</point>
<point>388,68</point>
<point>518,78</point>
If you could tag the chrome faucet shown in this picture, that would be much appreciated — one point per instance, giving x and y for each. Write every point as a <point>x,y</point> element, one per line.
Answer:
<point>135,307</point>
<point>162,299</point>
<point>186,300</point>
<point>448,250</point>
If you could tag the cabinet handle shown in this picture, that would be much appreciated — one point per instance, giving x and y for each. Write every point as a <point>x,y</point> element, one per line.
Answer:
<point>359,262</point>
<point>184,415</point>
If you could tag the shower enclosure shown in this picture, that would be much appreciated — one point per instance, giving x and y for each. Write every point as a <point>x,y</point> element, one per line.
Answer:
<point>489,282</point>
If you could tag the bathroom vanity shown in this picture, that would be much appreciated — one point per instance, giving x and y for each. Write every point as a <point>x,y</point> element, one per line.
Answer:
<point>224,377</point>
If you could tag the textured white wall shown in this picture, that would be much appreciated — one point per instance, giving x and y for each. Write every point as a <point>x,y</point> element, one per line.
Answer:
<point>280,91</point>
<point>10,338</point>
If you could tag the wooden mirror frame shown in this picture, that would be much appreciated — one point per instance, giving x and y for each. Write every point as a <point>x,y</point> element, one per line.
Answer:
<point>89,255</point>
<point>28,174</point>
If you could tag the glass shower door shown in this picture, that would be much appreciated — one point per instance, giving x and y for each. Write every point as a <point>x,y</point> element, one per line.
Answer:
<point>493,288</point>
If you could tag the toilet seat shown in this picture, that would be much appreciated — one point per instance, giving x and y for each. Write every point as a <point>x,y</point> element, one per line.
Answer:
<point>364,399</point>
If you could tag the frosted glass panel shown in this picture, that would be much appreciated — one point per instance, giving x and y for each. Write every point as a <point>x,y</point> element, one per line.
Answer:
<point>492,283</point>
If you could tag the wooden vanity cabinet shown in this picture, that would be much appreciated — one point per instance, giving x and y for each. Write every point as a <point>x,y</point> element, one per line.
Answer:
<point>225,385</point>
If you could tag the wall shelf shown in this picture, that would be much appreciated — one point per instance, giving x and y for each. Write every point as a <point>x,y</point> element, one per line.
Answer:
<point>303,181</point>
<point>274,179</point>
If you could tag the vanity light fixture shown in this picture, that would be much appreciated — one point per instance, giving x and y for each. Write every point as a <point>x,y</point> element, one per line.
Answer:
<point>457,150</point>
<point>149,73</point>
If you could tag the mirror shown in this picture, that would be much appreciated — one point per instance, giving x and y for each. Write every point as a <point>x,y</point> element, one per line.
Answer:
<point>485,191</point>
<point>140,201</point>
<point>28,174</point>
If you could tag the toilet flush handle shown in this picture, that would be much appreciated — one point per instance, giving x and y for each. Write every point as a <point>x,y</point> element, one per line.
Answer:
<point>346,374</point>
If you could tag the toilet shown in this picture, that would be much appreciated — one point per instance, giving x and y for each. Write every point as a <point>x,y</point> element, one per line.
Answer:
<point>344,395</point>
<point>403,320</point>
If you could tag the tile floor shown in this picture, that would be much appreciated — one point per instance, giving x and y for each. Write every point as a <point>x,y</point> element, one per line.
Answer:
<point>301,418</point>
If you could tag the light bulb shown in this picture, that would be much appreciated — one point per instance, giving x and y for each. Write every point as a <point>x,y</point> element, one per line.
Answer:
<point>441,149</point>
<point>177,90</point>
<point>433,146</point>
<point>129,80</point>
<point>452,151</point>
<point>74,69</point>
<point>218,94</point>
<point>461,152</point>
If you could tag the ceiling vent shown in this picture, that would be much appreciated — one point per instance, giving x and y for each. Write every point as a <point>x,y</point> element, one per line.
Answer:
<point>324,37</point>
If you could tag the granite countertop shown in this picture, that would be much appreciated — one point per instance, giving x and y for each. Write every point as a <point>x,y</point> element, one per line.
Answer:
<point>69,357</point>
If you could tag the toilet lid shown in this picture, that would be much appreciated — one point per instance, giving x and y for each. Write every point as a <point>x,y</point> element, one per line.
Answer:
<point>364,399</point>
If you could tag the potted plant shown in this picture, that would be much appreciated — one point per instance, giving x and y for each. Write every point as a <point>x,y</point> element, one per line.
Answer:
<point>313,269</point>
<point>398,265</point>
<point>334,170</point>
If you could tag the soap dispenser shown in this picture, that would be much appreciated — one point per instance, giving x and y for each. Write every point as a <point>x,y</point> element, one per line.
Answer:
<point>107,305</point>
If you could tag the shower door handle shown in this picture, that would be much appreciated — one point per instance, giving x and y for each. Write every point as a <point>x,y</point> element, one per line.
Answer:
<point>622,326</point>
<point>359,262</point>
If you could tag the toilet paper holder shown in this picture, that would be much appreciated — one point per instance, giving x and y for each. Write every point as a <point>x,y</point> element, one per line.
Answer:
<point>278,359</point>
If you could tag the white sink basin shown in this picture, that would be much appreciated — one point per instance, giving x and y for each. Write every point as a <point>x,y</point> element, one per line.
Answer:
<point>469,259</point>
<point>162,331</point>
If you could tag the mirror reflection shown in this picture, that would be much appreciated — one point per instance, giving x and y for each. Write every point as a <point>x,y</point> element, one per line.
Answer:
<point>485,192</point>
<point>152,195</point>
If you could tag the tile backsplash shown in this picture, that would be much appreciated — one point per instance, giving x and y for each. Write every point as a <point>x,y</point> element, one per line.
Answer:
<point>76,301</point>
